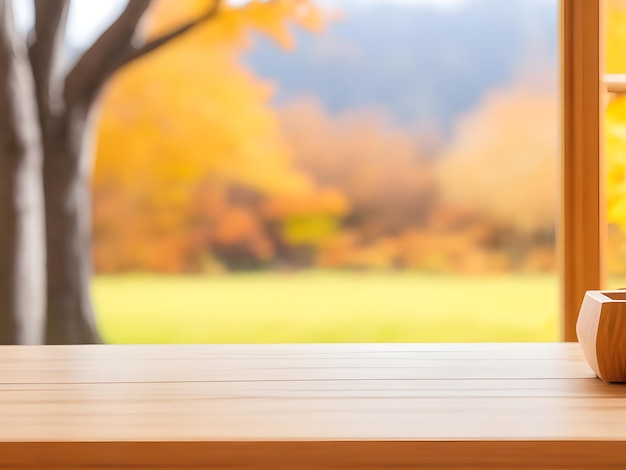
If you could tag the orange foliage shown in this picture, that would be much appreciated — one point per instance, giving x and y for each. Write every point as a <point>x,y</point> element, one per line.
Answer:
<point>468,210</point>
<point>193,166</point>
<point>182,116</point>
<point>377,166</point>
<point>503,160</point>
<point>324,201</point>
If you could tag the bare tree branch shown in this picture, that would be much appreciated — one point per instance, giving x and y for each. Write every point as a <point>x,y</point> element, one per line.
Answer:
<point>86,77</point>
<point>46,53</point>
<point>115,48</point>
<point>137,52</point>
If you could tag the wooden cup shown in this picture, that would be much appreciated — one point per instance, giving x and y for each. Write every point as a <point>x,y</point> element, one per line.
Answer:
<point>601,330</point>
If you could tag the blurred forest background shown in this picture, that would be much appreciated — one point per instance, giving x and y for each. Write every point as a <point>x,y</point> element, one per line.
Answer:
<point>394,136</point>
<point>383,171</point>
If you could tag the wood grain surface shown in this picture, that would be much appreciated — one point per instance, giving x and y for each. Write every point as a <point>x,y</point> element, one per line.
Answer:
<point>582,223</point>
<point>601,329</point>
<point>308,406</point>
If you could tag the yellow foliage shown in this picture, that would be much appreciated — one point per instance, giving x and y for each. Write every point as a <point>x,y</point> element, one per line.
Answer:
<point>185,114</point>
<point>615,143</point>
<point>615,139</point>
<point>270,17</point>
<point>308,218</point>
<point>312,230</point>
<point>616,161</point>
<point>616,36</point>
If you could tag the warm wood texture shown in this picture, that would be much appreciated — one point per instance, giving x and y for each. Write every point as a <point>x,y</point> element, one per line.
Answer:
<point>601,329</point>
<point>583,221</point>
<point>615,83</point>
<point>343,406</point>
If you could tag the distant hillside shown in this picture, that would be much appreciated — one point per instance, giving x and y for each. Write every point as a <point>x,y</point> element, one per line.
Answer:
<point>419,62</point>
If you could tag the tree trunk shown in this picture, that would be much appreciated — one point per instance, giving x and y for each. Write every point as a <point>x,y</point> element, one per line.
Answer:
<point>21,201</point>
<point>67,173</point>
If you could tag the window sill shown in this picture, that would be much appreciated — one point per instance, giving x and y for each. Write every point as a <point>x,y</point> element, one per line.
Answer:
<point>307,406</point>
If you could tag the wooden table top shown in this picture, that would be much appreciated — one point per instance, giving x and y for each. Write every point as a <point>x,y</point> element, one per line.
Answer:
<point>307,406</point>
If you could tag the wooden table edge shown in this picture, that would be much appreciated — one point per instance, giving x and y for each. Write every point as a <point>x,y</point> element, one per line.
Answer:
<point>293,455</point>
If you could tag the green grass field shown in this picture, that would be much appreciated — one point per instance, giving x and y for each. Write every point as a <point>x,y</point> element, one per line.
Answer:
<point>326,307</point>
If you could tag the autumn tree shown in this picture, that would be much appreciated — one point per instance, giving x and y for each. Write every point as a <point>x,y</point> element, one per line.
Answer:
<point>47,135</point>
<point>502,165</point>
<point>170,196</point>
<point>377,165</point>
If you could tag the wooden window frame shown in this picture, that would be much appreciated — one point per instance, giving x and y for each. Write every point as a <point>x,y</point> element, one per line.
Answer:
<point>582,225</point>
<point>615,83</point>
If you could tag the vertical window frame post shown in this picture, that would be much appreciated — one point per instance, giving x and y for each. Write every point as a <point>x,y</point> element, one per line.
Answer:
<point>582,227</point>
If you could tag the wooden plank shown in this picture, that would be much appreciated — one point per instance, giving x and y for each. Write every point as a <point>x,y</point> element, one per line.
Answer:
<point>583,220</point>
<point>294,455</point>
<point>84,364</point>
<point>150,413</point>
<point>308,406</point>
<point>340,388</point>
